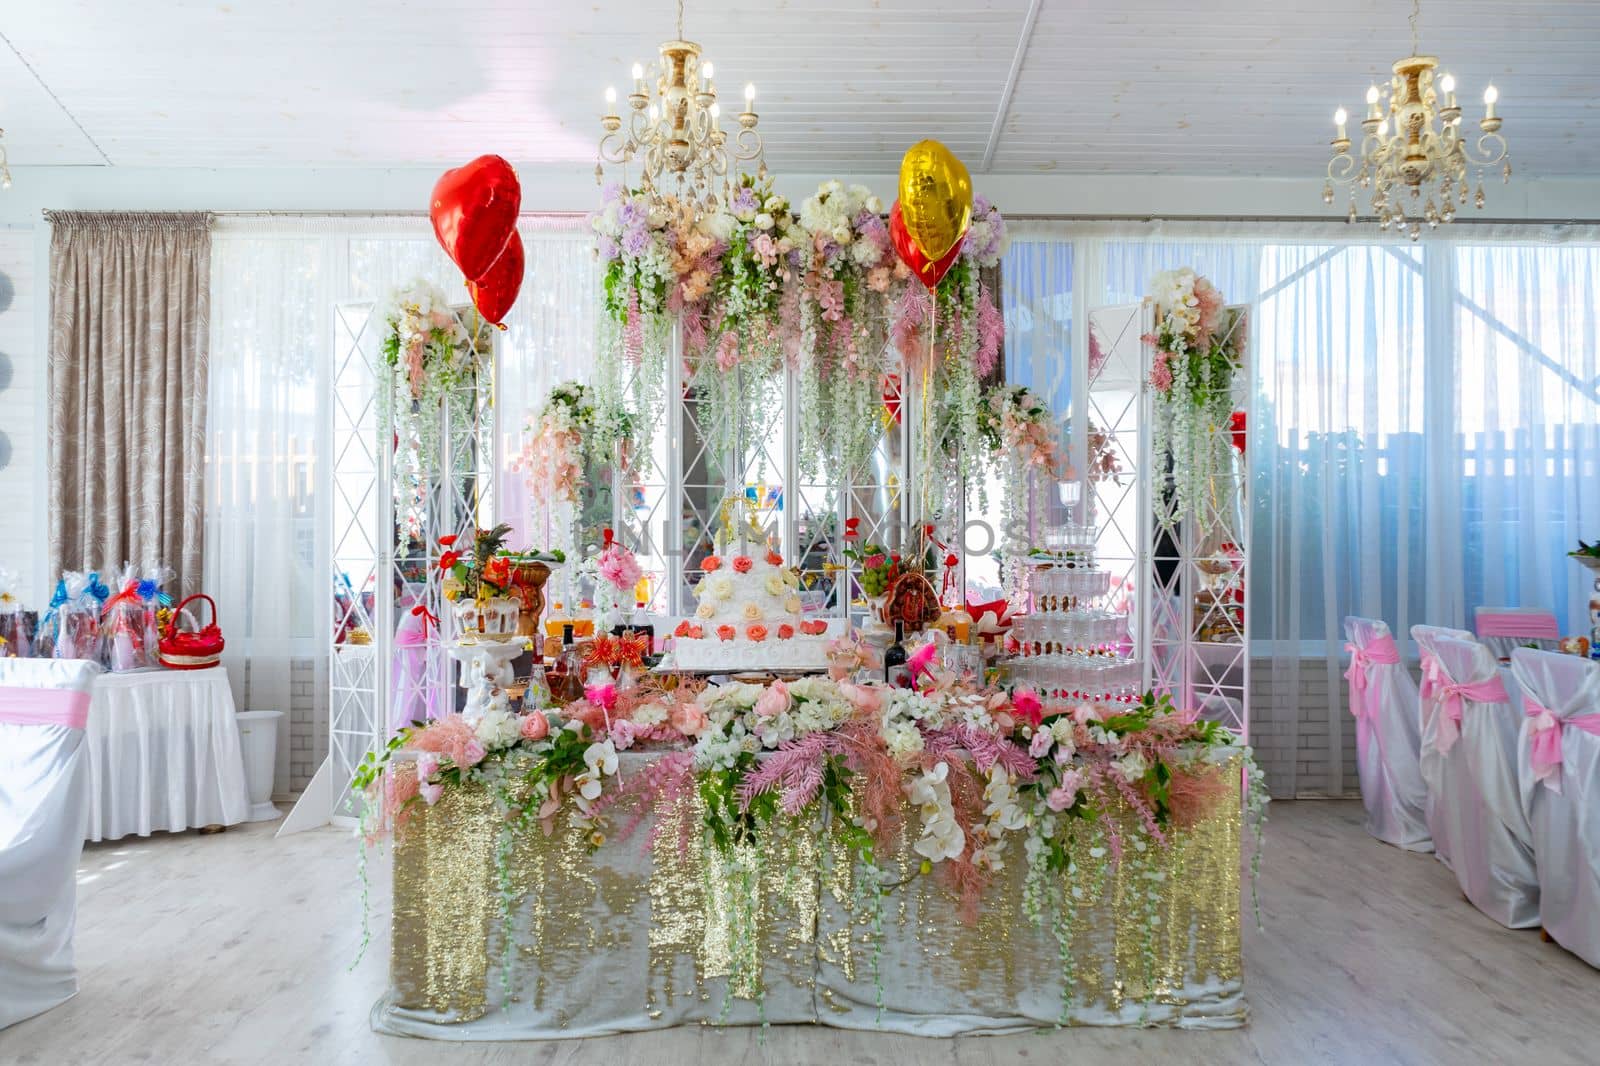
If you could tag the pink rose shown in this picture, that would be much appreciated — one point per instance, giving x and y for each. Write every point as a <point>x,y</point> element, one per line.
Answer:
<point>689,719</point>
<point>623,733</point>
<point>863,697</point>
<point>1066,795</point>
<point>474,752</point>
<point>743,563</point>
<point>774,701</point>
<point>535,726</point>
<point>1040,743</point>
<point>1084,713</point>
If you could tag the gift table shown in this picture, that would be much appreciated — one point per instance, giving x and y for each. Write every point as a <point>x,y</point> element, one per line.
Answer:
<point>163,750</point>
<point>644,932</point>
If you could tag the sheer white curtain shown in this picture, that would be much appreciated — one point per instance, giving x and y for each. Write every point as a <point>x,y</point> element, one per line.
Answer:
<point>263,420</point>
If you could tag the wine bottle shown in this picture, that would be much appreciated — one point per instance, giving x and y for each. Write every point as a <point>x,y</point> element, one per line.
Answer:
<point>895,672</point>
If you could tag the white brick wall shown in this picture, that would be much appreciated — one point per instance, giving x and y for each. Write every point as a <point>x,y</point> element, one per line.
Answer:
<point>308,722</point>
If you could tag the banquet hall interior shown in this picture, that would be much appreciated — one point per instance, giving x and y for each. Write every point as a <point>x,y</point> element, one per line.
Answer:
<point>679,531</point>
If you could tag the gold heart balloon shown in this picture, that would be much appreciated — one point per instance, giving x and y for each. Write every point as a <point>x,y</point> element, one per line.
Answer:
<point>935,198</point>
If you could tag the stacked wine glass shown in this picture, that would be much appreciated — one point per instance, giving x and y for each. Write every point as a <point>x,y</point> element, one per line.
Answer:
<point>1075,641</point>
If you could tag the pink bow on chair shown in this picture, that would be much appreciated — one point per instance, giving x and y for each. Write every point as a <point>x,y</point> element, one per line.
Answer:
<point>1544,749</point>
<point>1451,697</point>
<point>1431,675</point>
<point>1382,651</point>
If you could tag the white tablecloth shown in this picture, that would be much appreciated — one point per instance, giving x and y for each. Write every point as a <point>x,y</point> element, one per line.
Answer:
<point>163,753</point>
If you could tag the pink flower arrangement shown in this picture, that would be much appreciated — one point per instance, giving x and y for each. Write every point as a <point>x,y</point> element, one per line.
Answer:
<point>618,567</point>
<point>534,726</point>
<point>1161,371</point>
<point>451,737</point>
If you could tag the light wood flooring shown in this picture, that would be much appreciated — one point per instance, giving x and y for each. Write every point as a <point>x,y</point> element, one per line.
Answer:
<point>236,948</point>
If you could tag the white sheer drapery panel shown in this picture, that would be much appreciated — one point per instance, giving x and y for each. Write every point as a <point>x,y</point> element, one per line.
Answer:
<point>1527,444</point>
<point>262,519</point>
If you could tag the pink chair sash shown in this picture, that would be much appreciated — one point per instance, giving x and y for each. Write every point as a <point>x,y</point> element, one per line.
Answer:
<point>43,706</point>
<point>1382,651</point>
<point>1535,625</point>
<point>1544,750</point>
<point>1451,697</point>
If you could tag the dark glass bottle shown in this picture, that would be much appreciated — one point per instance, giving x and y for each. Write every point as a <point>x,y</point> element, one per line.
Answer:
<point>894,659</point>
<point>566,681</point>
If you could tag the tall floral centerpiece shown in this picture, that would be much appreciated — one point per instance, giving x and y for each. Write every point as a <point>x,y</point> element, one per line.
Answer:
<point>565,440</point>
<point>1019,437</point>
<point>429,355</point>
<point>1199,348</point>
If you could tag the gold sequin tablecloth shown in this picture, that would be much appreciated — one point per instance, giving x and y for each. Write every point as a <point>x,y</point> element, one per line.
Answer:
<point>641,934</point>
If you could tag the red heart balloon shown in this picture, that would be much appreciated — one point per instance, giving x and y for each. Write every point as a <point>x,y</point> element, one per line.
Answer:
<point>928,271</point>
<point>495,292</point>
<point>474,212</point>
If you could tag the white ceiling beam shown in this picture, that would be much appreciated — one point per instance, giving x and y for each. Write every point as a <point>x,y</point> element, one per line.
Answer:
<point>1011,84</point>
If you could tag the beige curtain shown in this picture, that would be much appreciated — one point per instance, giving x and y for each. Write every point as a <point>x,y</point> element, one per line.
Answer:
<point>129,353</point>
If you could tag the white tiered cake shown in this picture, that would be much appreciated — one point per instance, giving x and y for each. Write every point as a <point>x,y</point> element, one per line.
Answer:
<point>749,618</point>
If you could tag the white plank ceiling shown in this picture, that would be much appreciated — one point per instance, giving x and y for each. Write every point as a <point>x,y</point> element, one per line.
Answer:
<point>1138,86</point>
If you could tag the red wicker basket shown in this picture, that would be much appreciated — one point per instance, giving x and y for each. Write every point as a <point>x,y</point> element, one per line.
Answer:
<point>191,650</point>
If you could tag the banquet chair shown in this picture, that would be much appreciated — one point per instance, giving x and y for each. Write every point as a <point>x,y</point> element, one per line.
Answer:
<point>1504,629</point>
<point>1475,802</point>
<point>1429,762</point>
<point>1559,774</point>
<point>44,807</point>
<point>1383,699</point>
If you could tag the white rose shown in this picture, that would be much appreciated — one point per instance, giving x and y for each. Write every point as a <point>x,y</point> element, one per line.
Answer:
<point>657,217</point>
<point>722,587</point>
<point>841,234</point>
<point>774,204</point>
<point>874,205</point>
<point>763,221</point>
<point>829,188</point>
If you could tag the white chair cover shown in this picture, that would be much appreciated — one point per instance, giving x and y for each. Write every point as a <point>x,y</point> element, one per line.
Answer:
<point>1476,804</point>
<point>1541,622</point>
<point>1388,742</point>
<point>1566,829</point>
<point>44,804</point>
<point>1429,762</point>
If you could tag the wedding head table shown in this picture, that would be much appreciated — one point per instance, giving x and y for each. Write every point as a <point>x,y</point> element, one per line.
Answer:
<point>522,916</point>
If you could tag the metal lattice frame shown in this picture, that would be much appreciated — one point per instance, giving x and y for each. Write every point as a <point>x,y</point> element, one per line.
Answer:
<point>378,574</point>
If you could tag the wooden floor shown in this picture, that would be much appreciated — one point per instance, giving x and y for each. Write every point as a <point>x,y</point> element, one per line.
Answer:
<point>236,949</point>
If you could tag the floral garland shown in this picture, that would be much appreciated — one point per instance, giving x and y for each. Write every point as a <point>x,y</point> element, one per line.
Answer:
<point>761,287</point>
<point>429,356</point>
<point>1199,348</point>
<point>850,270</point>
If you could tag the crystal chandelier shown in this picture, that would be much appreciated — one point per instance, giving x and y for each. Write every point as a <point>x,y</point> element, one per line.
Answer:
<point>1413,142</point>
<point>675,131</point>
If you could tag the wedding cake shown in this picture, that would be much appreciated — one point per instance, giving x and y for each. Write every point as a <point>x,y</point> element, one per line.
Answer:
<point>749,618</point>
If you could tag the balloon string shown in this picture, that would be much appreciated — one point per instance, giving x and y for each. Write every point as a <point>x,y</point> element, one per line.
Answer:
<point>927,382</point>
